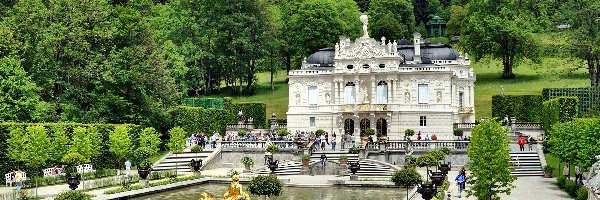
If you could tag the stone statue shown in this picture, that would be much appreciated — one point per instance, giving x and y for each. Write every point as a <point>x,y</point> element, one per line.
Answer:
<point>235,191</point>
<point>365,95</point>
<point>593,182</point>
<point>365,21</point>
<point>407,97</point>
<point>501,90</point>
<point>205,196</point>
<point>439,97</point>
<point>327,98</point>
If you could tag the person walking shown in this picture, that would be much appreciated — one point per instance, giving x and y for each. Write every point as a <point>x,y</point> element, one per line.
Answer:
<point>18,180</point>
<point>530,142</point>
<point>578,176</point>
<point>460,182</point>
<point>213,140</point>
<point>327,138</point>
<point>323,140</point>
<point>127,167</point>
<point>566,171</point>
<point>343,141</point>
<point>323,159</point>
<point>333,142</point>
<point>318,143</point>
<point>521,143</point>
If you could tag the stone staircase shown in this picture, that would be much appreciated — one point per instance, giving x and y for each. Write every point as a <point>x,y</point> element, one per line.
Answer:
<point>526,163</point>
<point>287,167</point>
<point>180,162</point>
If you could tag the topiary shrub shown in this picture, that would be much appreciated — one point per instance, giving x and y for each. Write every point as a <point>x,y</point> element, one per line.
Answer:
<point>247,160</point>
<point>196,149</point>
<point>305,157</point>
<point>320,132</point>
<point>242,133</point>
<point>571,188</point>
<point>458,132</point>
<point>406,178</point>
<point>265,185</point>
<point>353,150</point>
<point>582,194</point>
<point>409,132</point>
<point>272,148</point>
<point>72,160</point>
<point>283,132</point>
<point>73,195</point>
<point>370,131</point>
<point>560,182</point>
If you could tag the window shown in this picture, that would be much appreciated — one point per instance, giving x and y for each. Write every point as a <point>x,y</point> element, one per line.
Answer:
<point>423,94</point>
<point>312,95</point>
<point>460,99</point>
<point>349,93</point>
<point>365,66</point>
<point>423,121</point>
<point>350,66</point>
<point>382,92</point>
<point>382,66</point>
<point>312,122</point>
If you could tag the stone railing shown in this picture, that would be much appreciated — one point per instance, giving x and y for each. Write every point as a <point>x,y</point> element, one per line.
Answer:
<point>257,145</point>
<point>465,110</point>
<point>310,72</point>
<point>465,125</point>
<point>277,126</point>
<point>364,107</point>
<point>236,127</point>
<point>528,126</point>
<point>401,145</point>
<point>413,69</point>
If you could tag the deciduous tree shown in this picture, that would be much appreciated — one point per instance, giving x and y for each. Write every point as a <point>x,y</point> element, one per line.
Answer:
<point>393,19</point>
<point>120,142</point>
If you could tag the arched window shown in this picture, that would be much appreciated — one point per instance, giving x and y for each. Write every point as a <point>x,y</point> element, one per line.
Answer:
<point>381,127</point>
<point>382,91</point>
<point>349,93</point>
<point>364,125</point>
<point>349,126</point>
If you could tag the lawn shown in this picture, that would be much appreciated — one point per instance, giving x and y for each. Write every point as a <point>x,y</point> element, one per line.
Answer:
<point>531,78</point>
<point>553,161</point>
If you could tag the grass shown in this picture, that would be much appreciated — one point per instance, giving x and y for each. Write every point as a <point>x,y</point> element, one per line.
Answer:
<point>530,79</point>
<point>553,161</point>
<point>157,157</point>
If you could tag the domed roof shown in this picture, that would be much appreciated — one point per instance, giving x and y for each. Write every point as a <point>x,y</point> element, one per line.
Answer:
<point>431,51</point>
<point>323,57</point>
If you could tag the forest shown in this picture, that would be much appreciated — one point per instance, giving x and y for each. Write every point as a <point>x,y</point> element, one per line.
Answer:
<point>132,61</point>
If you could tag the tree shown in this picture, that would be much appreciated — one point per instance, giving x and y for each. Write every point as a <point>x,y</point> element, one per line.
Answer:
<point>489,161</point>
<point>150,139</point>
<point>406,178</point>
<point>456,23</point>
<point>81,143</point>
<point>393,19</point>
<point>176,142</point>
<point>96,142</point>
<point>20,99</point>
<point>363,5</point>
<point>59,143</point>
<point>35,143</point>
<point>16,139</point>
<point>506,35</point>
<point>571,141</point>
<point>265,185</point>
<point>119,142</point>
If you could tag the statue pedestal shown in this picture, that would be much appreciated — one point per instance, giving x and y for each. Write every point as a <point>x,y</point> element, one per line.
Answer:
<point>305,171</point>
<point>353,177</point>
<point>247,171</point>
<point>273,174</point>
<point>144,182</point>
<point>196,173</point>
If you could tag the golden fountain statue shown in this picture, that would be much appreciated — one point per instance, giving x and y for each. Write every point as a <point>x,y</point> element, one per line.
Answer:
<point>235,190</point>
<point>205,196</point>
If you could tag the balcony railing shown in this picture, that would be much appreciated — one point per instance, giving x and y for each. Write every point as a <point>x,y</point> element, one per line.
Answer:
<point>529,126</point>
<point>240,126</point>
<point>465,125</point>
<point>402,145</point>
<point>257,145</point>
<point>465,110</point>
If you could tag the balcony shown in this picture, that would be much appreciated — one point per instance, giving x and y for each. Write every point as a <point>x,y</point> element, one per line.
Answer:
<point>465,110</point>
<point>364,107</point>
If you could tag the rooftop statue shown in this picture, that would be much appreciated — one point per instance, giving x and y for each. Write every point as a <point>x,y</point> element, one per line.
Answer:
<point>235,190</point>
<point>365,21</point>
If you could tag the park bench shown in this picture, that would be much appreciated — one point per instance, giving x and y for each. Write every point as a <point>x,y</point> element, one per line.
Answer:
<point>9,178</point>
<point>84,168</point>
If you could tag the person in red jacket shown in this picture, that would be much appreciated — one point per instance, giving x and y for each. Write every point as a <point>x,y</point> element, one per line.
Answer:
<point>521,143</point>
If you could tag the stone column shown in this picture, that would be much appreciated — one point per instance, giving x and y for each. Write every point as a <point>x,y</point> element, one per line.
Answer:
<point>373,90</point>
<point>389,91</point>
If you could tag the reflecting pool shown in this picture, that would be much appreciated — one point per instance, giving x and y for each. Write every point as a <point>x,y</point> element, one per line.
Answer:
<point>291,193</point>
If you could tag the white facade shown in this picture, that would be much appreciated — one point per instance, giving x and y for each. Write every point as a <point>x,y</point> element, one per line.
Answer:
<point>382,85</point>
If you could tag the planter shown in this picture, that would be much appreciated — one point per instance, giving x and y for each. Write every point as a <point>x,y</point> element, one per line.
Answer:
<point>437,178</point>
<point>365,138</point>
<point>144,172</point>
<point>343,162</point>
<point>445,168</point>
<point>73,181</point>
<point>354,167</point>
<point>305,163</point>
<point>382,139</point>
<point>548,174</point>
<point>247,167</point>
<point>273,165</point>
<point>427,190</point>
<point>196,165</point>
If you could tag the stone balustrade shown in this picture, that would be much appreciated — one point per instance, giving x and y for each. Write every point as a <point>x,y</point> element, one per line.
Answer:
<point>257,145</point>
<point>465,126</point>
<point>528,126</point>
<point>240,126</point>
<point>401,145</point>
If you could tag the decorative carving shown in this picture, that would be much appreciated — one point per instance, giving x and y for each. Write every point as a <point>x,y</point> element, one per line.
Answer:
<point>439,96</point>
<point>297,99</point>
<point>363,107</point>
<point>407,97</point>
<point>347,107</point>
<point>327,98</point>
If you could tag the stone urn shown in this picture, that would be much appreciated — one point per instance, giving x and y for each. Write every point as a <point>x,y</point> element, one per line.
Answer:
<point>354,167</point>
<point>144,172</point>
<point>73,181</point>
<point>445,168</point>
<point>437,178</point>
<point>427,190</point>
<point>196,164</point>
<point>273,165</point>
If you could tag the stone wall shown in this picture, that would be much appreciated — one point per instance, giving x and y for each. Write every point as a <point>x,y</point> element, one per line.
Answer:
<point>331,168</point>
<point>397,158</point>
<point>232,159</point>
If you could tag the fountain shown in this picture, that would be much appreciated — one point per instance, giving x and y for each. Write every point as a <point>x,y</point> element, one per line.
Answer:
<point>235,191</point>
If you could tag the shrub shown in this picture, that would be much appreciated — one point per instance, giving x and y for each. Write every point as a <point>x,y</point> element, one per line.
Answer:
<point>582,194</point>
<point>370,131</point>
<point>548,168</point>
<point>196,149</point>
<point>265,185</point>
<point>426,161</point>
<point>247,160</point>
<point>272,148</point>
<point>445,150</point>
<point>141,154</point>
<point>343,158</point>
<point>256,111</point>
<point>73,195</point>
<point>458,132</point>
<point>560,109</point>
<point>320,132</point>
<point>242,133</point>
<point>72,160</point>
<point>526,108</point>
<point>305,157</point>
<point>406,177</point>
<point>145,163</point>
<point>353,150</point>
<point>560,182</point>
<point>571,188</point>
<point>283,132</point>
<point>409,132</point>
<point>410,160</point>
<point>194,120</point>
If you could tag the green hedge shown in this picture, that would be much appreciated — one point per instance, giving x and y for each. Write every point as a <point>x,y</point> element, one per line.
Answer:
<point>256,111</point>
<point>194,119</point>
<point>526,108</point>
<point>560,109</point>
<point>204,102</point>
<point>588,97</point>
<point>105,160</point>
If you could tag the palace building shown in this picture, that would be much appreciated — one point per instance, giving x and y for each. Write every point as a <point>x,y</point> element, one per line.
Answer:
<point>388,86</point>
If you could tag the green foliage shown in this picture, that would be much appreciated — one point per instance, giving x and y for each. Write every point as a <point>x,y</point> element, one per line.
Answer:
<point>582,194</point>
<point>560,109</point>
<point>138,186</point>
<point>406,177</point>
<point>195,119</point>
<point>370,131</point>
<point>177,140</point>
<point>204,102</point>
<point>571,188</point>
<point>256,111</point>
<point>305,157</point>
<point>457,23</point>
<point>410,160</point>
<point>505,35</point>
<point>73,195</point>
<point>150,139</point>
<point>445,150</point>
<point>409,132</point>
<point>320,132</point>
<point>457,132</point>
<point>241,133</point>
<point>353,150</point>
<point>196,149</point>
<point>549,168</point>
<point>272,148</point>
<point>392,19</point>
<point>15,143</point>
<point>265,185</point>
<point>561,182</point>
<point>571,141</point>
<point>587,97</point>
<point>489,144</point>
<point>426,160</point>
<point>343,158</point>
<point>526,108</point>
<point>73,159</point>
<point>81,143</point>
<point>36,141</point>
<point>141,154</point>
<point>442,192</point>
<point>20,100</point>
<point>247,160</point>
<point>58,145</point>
<point>120,142</point>
<point>145,163</point>
<point>283,132</point>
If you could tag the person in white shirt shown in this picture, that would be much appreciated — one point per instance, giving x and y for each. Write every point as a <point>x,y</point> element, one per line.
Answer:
<point>323,142</point>
<point>213,140</point>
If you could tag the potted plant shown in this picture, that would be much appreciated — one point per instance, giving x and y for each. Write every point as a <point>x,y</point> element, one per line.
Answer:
<point>268,186</point>
<point>548,169</point>
<point>272,148</point>
<point>72,160</point>
<point>427,190</point>
<point>370,132</point>
<point>426,161</point>
<point>354,167</point>
<point>144,169</point>
<point>458,132</point>
<point>196,165</point>
<point>282,133</point>
<point>406,178</point>
<point>353,150</point>
<point>241,134</point>
<point>320,132</point>
<point>196,149</point>
<point>343,159</point>
<point>409,132</point>
<point>305,159</point>
<point>247,161</point>
<point>410,162</point>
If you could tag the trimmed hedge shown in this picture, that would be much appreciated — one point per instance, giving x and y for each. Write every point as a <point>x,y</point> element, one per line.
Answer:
<point>203,102</point>
<point>195,119</point>
<point>526,108</point>
<point>588,97</point>
<point>560,109</point>
<point>256,111</point>
<point>105,160</point>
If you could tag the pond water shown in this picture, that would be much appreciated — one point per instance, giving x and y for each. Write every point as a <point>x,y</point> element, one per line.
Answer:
<point>289,193</point>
